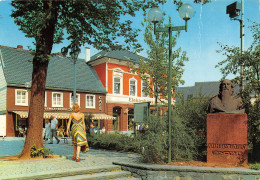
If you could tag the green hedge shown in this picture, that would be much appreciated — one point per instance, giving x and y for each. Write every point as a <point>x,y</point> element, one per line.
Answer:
<point>114,141</point>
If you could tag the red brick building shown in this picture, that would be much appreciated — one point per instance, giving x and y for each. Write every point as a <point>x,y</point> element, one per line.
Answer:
<point>16,72</point>
<point>106,89</point>
<point>123,87</point>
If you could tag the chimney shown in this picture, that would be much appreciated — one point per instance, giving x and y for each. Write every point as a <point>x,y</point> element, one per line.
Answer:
<point>87,54</point>
<point>20,47</point>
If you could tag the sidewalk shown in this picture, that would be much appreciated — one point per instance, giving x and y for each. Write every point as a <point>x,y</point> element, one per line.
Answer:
<point>93,158</point>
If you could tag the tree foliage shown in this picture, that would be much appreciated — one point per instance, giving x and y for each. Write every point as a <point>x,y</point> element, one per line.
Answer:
<point>96,23</point>
<point>156,65</point>
<point>251,62</point>
<point>158,57</point>
<point>250,59</point>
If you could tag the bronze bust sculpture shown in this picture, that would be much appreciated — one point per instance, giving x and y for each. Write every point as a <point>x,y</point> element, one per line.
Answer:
<point>225,101</point>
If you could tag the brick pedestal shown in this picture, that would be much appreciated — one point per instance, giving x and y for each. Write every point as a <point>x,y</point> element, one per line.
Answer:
<point>227,138</point>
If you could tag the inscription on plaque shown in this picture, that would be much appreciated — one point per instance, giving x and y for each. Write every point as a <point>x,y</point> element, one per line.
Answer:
<point>227,146</point>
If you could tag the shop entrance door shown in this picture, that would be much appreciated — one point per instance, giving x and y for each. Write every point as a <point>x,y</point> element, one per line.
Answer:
<point>117,115</point>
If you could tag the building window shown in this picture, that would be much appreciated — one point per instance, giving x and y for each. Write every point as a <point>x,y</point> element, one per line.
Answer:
<point>90,101</point>
<point>117,84</point>
<point>132,87</point>
<point>77,99</point>
<point>144,89</point>
<point>57,99</point>
<point>45,99</point>
<point>21,97</point>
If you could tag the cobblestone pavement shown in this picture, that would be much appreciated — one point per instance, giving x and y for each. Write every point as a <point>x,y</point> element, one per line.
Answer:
<point>13,146</point>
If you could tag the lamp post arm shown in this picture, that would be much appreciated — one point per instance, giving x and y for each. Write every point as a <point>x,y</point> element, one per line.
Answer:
<point>172,28</point>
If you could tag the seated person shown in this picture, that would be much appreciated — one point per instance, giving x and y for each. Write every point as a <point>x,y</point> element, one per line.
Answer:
<point>103,130</point>
<point>60,131</point>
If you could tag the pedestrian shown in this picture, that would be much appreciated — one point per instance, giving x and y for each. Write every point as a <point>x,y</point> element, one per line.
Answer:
<point>54,127</point>
<point>78,132</point>
<point>92,127</point>
<point>47,130</point>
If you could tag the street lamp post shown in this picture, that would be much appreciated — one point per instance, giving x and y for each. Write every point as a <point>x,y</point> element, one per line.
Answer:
<point>74,53</point>
<point>155,15</point>
<point>28,85</point>
<point>234,10</point>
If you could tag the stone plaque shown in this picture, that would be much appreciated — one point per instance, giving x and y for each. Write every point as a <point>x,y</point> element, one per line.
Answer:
<point>227,138</point>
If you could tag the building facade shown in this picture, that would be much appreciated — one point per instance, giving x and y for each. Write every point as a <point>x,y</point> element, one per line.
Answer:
<point>16,74</point>
<point>106,89</point>
<point>124,88</point>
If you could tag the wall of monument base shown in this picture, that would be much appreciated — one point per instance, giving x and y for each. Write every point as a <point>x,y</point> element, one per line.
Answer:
<point>227,138</point>
<point>157,172</point>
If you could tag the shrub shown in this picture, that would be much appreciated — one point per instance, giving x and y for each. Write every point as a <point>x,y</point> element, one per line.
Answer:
<point>155,140</point>
<point>114,141</point>
<point>184,146</point>
<point>253,111</point>
<point>193,114</point>
<point>44,152</point>
<point>255,166</point>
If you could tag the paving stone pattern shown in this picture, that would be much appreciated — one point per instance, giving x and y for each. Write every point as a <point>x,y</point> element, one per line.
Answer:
<point>93,158</point>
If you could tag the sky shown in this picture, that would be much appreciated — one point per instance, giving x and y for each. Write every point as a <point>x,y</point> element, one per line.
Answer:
<point>209,25</point>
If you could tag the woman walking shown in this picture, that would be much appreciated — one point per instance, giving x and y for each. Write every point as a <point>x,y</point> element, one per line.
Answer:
<point>78,132</point>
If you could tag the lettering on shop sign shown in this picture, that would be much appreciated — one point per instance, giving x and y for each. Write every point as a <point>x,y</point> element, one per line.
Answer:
<point>57,109</point>
<point>139,100</point>
<point>227,146</point>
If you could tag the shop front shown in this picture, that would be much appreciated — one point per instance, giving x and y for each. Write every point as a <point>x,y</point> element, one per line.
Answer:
<point>20,120</point>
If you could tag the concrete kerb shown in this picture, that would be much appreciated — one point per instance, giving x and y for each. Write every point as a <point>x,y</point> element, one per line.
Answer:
<point>46,160</point>
<point>70,172</point>
<point>142,169</point>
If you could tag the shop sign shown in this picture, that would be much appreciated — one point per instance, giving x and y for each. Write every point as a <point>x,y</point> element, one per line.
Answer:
<point>138,100</point>
<point>141,112</point>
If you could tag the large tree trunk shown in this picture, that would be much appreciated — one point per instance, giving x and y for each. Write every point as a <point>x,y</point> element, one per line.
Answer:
<point>44,43</point>
<point>36,109</point>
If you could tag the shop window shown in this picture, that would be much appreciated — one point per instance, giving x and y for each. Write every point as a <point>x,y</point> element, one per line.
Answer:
<point>132,87</point>
<point>21,97</point>
<point>130,119</point>
<point>90,101</point>
<point>77,99</point>
<point>57,99</point>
